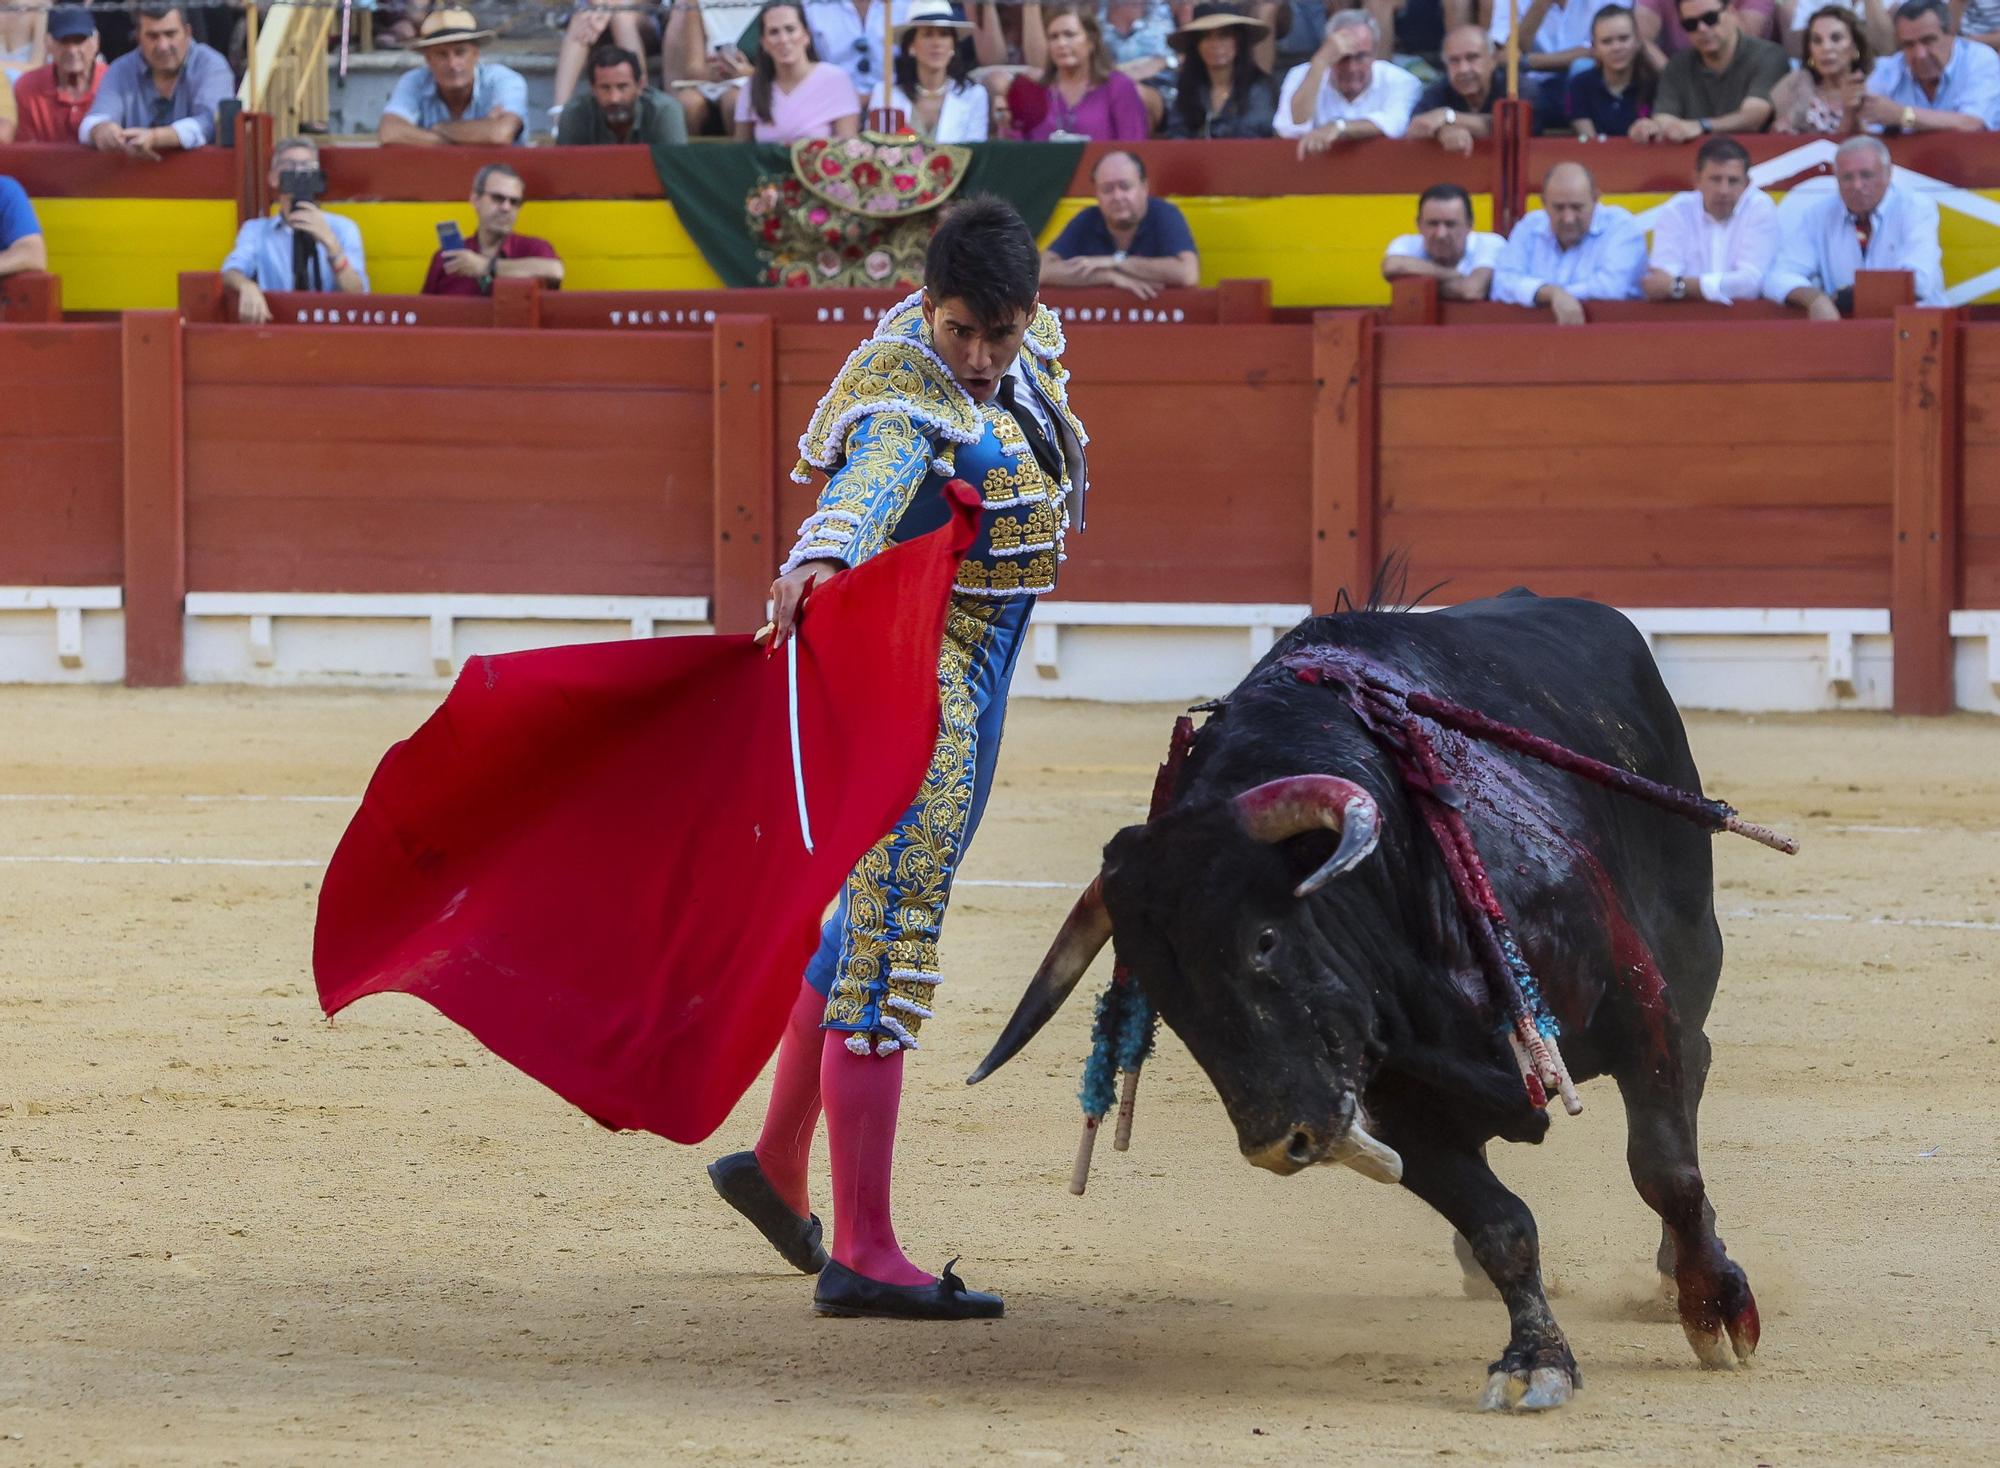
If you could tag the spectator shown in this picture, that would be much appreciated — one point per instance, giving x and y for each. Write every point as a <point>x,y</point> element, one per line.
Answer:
<point>1869,224</point>
<point>22,38</point>
<point>848,34</point>
<point>1660,24</point>
<point>300,247</point>
<point>584,37</point>
<point>1080,94</point>
<point>1825,94</point>
<point>1222,92</point>
<point>1716,243</point>
<point>792,93</point>
<point>1458,107</point>
<point>162,96</point>
<point>931,66</point>
<point>1344,94</point>
<point>1128,238</point>
<point>1605,98</point>
<point>495,251</point>
<point>706,66</point>
<point>1571,250</point>
<point>21,244</point>
<point>1416,30</point>
<point>1721,84</point>
<point>1446,247</point>
<point>1555,34</point>
<point>55,99</point>
<point>1871,19</point>
<point>1137,38</point>
<point>455,97</point>
<point>1933,84</point>
<point>619,107</point>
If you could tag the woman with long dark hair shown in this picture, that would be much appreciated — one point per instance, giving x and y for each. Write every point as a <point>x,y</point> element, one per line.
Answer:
<point>1824,94</point>
<point>934,87</point>
<point>1079,95</point>
<point>792,93</point>
<point>1605,99</point>
<point>1223,92</point>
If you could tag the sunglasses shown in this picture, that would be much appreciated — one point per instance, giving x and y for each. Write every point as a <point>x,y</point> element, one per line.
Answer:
<point>513,199</point>
<point>1693,23</point>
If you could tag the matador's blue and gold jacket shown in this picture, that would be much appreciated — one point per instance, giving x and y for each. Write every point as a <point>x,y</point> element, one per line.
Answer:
<point>896,426</point>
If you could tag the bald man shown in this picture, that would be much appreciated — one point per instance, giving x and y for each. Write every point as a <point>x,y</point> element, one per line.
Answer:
<point>1571,250</point>
<point>1458,106</point>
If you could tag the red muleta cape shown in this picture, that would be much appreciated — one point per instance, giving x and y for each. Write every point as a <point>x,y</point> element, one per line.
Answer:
<point>590,856</point>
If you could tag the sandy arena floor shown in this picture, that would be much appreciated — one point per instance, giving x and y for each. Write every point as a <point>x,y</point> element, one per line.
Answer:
<point>232,1233</point>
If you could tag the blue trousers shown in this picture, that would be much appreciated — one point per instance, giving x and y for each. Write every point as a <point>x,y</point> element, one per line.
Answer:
<point>877,962</point>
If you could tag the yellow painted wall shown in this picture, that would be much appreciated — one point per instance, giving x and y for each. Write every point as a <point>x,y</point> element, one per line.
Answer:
<point>125,254</point>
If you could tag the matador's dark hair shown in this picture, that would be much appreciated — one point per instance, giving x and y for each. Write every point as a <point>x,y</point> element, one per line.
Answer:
<point>984,254</point>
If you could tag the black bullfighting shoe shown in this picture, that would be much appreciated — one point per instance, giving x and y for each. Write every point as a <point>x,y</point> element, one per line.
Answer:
<point>842,1292</point>
<point>745,1188</point>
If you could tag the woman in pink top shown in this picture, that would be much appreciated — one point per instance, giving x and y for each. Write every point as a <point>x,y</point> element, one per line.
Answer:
<point>1079,92</point>
<point>793,94</point>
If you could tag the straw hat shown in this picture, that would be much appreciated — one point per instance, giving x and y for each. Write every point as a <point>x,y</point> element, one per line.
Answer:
<point>447,27</point>
<point>934,15</point>
<point>1213,17</point>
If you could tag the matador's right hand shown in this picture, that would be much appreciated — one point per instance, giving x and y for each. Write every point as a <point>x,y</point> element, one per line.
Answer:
<point>790,589</point>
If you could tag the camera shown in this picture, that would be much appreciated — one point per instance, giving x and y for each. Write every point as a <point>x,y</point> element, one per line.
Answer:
<point>303,185</point>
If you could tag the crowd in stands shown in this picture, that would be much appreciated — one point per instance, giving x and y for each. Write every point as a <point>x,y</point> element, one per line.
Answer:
<point>1330,75</point>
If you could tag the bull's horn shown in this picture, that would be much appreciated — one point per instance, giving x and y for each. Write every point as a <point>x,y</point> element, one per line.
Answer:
<point>1369,1157</point>
<point>1281,808</point>
<point>1084,933</point>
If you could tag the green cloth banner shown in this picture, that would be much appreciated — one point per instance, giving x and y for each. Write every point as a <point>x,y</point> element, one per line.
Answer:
<point>708,183</point>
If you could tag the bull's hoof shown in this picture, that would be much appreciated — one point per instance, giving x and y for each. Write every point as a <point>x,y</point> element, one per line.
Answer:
<point>1539,1390</point>
<point>1725,1334</point>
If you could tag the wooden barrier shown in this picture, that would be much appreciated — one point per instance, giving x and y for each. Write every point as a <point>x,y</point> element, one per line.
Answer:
<point>1414,301</point>
<point>1741,463</point>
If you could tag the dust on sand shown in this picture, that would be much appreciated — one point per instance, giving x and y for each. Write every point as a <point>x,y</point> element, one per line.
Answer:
<point>233,1233</point>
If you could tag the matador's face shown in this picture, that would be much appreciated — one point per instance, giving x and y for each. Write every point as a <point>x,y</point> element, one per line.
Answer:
<point>979,353</point>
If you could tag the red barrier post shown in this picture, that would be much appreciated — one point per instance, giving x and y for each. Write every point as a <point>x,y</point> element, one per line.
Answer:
<point>517,303</point>
<point>746,488</point>
<point>1880,294</point>
<point>253,165</point>
<point>1344,507</point>
<point>1413,301</point>
<point>204,298</point>
<point>1242,302</point>
<point>31,296</point>
<point>155,499</point>
<point>1924,565</point>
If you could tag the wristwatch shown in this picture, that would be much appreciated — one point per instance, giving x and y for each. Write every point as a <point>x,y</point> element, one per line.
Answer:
<point>1707,126</point>
<point>1450,117</point>
<point>1909,119</point>
<point>1680,287</point>
<point>1118,257</point>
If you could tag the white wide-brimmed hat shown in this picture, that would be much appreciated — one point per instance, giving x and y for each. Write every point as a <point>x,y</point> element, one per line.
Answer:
<point>1215,18</point>
<point>934,15</point>
<point>443,27</point>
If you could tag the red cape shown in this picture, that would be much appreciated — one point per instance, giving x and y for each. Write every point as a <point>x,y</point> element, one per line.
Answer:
<point>590,856</point>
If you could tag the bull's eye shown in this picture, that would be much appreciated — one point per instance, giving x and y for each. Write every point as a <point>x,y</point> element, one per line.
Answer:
<point>1267,942</point>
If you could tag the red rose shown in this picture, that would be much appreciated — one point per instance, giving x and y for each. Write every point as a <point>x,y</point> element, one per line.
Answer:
<point>829,167</point>
<point>940,165</point>
<point>905,181</point>
<point>866,174</point>
<point>798,279</point>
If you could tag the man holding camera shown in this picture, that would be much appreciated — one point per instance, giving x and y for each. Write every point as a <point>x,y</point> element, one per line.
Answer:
<point>299,248</point>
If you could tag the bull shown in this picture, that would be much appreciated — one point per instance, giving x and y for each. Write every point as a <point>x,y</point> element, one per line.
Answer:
<point>1295,925</point>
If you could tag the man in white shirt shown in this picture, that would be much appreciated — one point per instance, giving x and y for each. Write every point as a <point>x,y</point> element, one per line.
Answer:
<point>1867,224</point>
<point>1446,248</point>
<point>1344,94</point>
<point>1571,250</point>
<point>1936,82</point>
<point>1715,242</point>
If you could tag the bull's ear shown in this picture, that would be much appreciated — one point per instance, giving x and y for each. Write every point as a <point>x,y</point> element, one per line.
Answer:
<point>1084,933</point>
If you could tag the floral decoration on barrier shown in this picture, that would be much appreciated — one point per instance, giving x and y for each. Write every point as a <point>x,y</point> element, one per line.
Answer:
<point>855,211</point>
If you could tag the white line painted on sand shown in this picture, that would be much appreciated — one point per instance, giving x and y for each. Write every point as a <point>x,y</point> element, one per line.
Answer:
<point>193,799</point>
<point>161,861</point>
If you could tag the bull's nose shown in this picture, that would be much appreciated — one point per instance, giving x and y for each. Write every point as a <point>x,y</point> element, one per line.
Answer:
<point>1287,1154</point>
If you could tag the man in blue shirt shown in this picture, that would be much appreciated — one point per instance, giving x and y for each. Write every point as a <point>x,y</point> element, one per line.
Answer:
<point>21,243</point>
<point>161,96</point>
<point>1936,82</point>
<point>299,248</point>
<point>1126,239</point>
<point>1571,250</point>
<point>1867,225</point>
<point>457,98</point>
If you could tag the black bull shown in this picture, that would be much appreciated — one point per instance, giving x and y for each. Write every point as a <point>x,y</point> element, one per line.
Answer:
<point>1353,1024</point>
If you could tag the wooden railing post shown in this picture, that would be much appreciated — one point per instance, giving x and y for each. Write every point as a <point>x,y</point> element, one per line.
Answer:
<point>1242,302</point>
<point>155,501</point>
<point>1880,294</point>
<point>203,297</point>
<point>1343,462</point>
<point>1924,565</point>
<point>517,303</point>
<point>253,165</point>
<point>1513,125</point>
<point>746,487</point>
<point>32,296</point>
<point>1413,301</point>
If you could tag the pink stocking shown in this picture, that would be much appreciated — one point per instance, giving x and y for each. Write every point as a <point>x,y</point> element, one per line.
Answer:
<point>793,1112</point>
<point>862,1095</point>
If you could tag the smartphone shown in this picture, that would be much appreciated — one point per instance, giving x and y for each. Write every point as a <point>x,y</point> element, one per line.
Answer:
<point>449,238</point>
